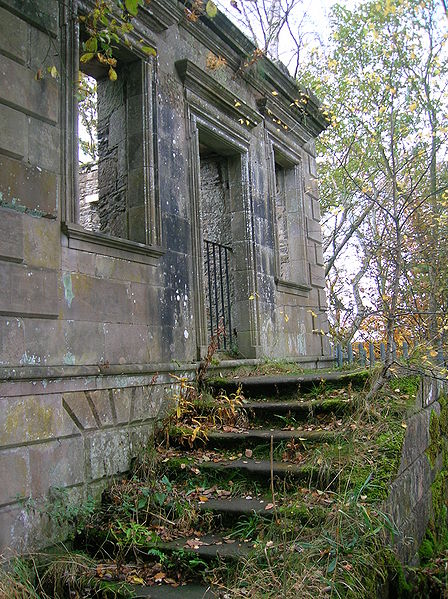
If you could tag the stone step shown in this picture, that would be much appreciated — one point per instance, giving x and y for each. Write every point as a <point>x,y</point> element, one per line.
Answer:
<point>209,547</point>
<point>254,436</point>
<point>300,409</point>
<point>259,469</point>
<point>188,591</point>
<point>235,507</point>
<point>286,384</point>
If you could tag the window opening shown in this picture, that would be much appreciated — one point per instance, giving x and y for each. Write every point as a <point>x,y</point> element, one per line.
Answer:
<point>291,267</point>
<point>116,157</point>
<point>88,152</point>
<point>281,214</point>
<point>103,151</point>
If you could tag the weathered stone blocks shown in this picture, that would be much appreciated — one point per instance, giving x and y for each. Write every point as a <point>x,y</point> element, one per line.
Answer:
<point>58,463</point>
<point>14,128</point>
<point>41,242</point>
<point>11,236</point>
<point>102,407</point>
<point>13,36</point>
<point>96,300</point>
<point>313,230</point>
<point>41,13</point>
<point>38,98</point>
<point>27,188</point>
<point>33,418</point>
<point>27,291</point>
<point>79,409</point>
<point>14,468</point>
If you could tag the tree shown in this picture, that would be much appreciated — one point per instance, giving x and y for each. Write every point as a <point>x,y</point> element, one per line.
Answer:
<point>266,20</point>
<point>383,166</point>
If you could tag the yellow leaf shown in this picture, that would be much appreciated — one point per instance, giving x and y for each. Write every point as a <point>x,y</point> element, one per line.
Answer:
<point>53,72</point>
<point>211,9</point>
<point>112,74</point>
<point>86,57</point>
<point>203,498</point>
<point>274,93</point>
<point>136,580</point>
<point>149,50</point>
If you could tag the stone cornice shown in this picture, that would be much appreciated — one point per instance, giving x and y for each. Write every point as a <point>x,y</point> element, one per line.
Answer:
<point>158,15</point>
<point>226,40</point>
<point>303,123</point>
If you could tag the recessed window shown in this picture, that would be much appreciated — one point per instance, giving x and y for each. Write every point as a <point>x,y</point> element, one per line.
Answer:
<point>290,248</point>
<point>88,184</point>
<point>111,150</point>
<point>281,215</point>
<point>111,171</point>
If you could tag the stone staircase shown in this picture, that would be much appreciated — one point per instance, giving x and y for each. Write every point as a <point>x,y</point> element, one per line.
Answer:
<point>266,468</point>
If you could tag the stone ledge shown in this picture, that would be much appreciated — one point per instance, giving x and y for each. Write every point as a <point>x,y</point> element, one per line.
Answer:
<point>88,241</point>
<point>31,373</point>
<point>293,288</point>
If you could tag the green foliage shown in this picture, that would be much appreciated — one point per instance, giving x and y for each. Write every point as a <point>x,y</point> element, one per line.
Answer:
<point>131,534</point>
<point>62,509</point>
<point>87,110</point>
<point>426,550</point>
<point>435,445</point>
<point>56,575</point>
<point>109,24</point>
<point>383,169</point>
<point>247,528</point>
<point>18,580</point>
<point>66,511</point>
<point>408,385</point>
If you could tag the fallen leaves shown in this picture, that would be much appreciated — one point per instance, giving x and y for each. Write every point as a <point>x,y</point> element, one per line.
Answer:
<point>148,574</point>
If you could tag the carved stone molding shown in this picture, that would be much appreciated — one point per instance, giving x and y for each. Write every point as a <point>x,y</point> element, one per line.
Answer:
<point>209,89</point>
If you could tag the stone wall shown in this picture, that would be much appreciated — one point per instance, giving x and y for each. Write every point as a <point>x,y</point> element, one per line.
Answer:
<point>88,314</point>
<point>58,438</point>
<point>88,198</point>
<point>410,501</point>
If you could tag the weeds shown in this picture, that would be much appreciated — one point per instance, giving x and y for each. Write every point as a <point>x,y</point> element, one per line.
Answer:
<point>196,412</point>
<point>193,418</point>
<point>56,576</point>
<point>345,558</point>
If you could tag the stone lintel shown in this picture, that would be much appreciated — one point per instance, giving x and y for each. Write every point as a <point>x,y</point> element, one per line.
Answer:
<point>208,88</point>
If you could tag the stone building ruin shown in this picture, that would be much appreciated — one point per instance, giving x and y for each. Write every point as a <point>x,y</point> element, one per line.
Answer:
<point>206,214</point>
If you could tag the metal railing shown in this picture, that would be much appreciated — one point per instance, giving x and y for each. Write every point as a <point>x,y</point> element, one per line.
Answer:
<point>218,295</point>
<point>368,353</point>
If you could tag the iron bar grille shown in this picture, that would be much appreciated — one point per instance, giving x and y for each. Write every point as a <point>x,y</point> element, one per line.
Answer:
<point>217,291</point>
